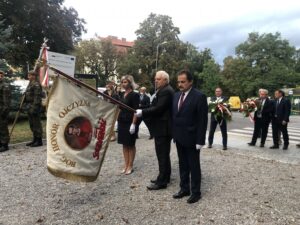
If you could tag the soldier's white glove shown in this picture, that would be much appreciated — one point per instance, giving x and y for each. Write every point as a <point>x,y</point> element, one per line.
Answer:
<point>198,147</point>
<point>132,129</point>
<point>139,113</point>
<point>284,123</point>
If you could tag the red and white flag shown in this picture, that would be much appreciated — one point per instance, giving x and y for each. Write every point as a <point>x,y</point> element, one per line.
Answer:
<point>44,76</point>
<point>79,126</point>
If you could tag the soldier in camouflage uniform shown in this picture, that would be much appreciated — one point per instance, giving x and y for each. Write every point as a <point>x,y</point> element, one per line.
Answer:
<point>33,106</point>
<point>4,111</point>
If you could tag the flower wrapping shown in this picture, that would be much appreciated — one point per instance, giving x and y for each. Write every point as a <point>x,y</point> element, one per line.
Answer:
<point>249,106</point>
<point>220,110</point>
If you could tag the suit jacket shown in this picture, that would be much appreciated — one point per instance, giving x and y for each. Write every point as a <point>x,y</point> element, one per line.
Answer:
<point>159,113</point>
<point>145,102</point>
<point>132,100</point>
<point>214,98</point>
<point>282,110</point>
<point>190,122</point>
<point>267,111</point>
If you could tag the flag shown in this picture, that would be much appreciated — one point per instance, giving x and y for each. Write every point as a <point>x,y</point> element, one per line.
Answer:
<point>44,76</point>
<point>79,126</point>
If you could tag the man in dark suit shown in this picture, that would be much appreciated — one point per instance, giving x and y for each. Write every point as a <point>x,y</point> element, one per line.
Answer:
<point>262,118</point>
<point>280,120</point>
<point>159,114</point>
<point>214,122</point>
<point>190,115</point>
<point>144,103</point>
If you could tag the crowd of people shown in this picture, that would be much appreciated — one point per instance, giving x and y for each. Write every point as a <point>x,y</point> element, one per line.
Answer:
<point>269,111</point>
<point>277,112</point>
<point>181,117</point>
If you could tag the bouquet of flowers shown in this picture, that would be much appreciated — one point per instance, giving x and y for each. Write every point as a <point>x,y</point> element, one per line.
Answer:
<point>249,106</point>
<point>220,109</point>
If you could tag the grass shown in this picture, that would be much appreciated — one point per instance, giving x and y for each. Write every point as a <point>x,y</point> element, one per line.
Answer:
<point>22,132</point>
<point>90,82</point>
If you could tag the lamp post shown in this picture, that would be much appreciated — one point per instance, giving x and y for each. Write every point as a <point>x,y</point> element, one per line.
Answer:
<point>157,48</point>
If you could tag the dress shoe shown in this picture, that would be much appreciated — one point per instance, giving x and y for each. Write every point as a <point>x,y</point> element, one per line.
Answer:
<point>193,199</point>
<point>209,146</point>
<point>154,181</point>
<point>30,143</point>
<point>153,187</point>
<point>262,145</point>
<point>285,147</point>
<point>151,137</point>
<point>274,147</point>
<point>251,144</point>
<point>4,147</point>
<point>38,142</point>
<point>181,194</point>
<point>298,145</point>
<point>224,147</point>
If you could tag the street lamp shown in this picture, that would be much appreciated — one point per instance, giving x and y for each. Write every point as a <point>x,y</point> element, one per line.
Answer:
<point>157,48</point>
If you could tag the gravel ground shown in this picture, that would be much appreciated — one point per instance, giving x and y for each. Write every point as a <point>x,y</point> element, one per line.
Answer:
<point>236,189</point>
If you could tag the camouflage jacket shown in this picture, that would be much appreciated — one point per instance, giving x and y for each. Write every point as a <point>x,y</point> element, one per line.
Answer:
<point>33,97</point>
<point>5,97</point>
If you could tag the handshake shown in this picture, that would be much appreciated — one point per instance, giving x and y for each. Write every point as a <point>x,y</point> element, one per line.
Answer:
<point>137,114</point>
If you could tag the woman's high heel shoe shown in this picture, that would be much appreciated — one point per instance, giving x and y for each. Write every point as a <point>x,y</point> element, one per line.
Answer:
<point>129,172</point>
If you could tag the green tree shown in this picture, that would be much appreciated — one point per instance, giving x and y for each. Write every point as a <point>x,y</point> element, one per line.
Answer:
<point>97,57</point>
<point>5,42</point>
<point>210,77</point>
<point>236,78</point>
<point>195,62</point>
<point>30,21</point>
<point>157,34</point>
<point>262,61</point>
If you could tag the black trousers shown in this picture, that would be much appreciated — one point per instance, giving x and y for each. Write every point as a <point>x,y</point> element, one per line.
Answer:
<point>212,129</point>
<point>163,148</point>
<point>189,169</point>
<point>261,127</point>
<point>146,121</point>
<point>276,127</point>
<point>4,133</point>
<point>35,125</point>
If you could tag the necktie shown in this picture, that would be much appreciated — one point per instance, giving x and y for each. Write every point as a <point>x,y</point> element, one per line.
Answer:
<point>181,100</point>
<point>277,104</point>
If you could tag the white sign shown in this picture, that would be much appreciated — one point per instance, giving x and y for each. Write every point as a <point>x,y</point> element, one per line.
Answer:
<point>291,92</point>
<point>62,62</point>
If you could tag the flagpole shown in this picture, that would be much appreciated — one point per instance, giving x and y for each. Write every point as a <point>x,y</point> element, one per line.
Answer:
<point>122,105</point>
<point>36,67</point>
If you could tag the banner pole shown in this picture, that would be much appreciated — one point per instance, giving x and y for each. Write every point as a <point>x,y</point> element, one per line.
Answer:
<point>122,105</point>
<point>36,67</point>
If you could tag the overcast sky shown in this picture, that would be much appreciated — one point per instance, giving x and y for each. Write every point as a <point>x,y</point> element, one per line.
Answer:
<point>219,25</point>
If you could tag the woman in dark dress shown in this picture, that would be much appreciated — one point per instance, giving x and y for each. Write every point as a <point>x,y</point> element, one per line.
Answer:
<point>127,122</point>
